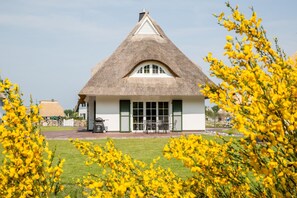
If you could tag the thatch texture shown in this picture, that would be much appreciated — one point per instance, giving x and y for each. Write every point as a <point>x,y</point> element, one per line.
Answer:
<point>112,75</point>
<point>51,108</point>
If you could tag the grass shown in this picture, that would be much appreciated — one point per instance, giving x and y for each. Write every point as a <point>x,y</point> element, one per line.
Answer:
<point>231,131</point>
<point>57,128</point>
<point>141,149</point>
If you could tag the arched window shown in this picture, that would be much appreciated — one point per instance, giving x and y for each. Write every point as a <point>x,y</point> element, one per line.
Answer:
<point>151,69</point>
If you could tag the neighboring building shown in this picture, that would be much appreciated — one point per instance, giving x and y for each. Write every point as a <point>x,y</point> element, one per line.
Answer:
<point>82,111</point>
<point>50,109</point>
<point>146,80</point>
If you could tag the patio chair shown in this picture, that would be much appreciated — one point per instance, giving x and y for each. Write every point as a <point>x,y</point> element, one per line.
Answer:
<point>162,125</point>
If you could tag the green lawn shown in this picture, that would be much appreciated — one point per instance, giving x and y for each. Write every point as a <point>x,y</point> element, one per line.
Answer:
<point>142,149</point>
<point>57,128</point>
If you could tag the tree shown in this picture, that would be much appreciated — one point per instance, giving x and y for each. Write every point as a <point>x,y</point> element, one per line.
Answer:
<point>208,112</point>
<point>69,113</point>
<point>215,109</point>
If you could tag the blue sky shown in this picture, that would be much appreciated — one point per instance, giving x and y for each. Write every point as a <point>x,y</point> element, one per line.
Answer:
<point>48,47</point>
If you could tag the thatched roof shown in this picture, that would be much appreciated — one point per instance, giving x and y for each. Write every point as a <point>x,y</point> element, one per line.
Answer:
<point>112,75</point>
<point>50,108</point>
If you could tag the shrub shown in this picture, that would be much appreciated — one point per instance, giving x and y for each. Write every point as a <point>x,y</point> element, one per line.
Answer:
<point>27,169</point>
<point>259,89</point>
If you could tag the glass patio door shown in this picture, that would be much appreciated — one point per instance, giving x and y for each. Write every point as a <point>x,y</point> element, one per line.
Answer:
<point>163,115</point>
<point>138,111</point>
<point>151,116</point>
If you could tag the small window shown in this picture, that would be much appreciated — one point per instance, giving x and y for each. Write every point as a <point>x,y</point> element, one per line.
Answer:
<point>161,70</point>
<point>152,69</point>
<point>146,69</point>
<point>155,69</point>
<point>140,71</point>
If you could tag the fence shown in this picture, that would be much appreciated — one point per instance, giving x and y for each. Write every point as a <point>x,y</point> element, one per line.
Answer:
<point>69,122</point>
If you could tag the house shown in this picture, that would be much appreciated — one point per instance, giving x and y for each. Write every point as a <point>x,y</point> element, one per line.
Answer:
<point>50,109</point>
<point>82,111</point>
<point>146,80</point>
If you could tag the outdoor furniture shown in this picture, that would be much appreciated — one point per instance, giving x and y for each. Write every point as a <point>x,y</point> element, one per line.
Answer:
<point>99,125</point>
<point>163,126</point>
<point>150,126</point>
<point>153,126</point>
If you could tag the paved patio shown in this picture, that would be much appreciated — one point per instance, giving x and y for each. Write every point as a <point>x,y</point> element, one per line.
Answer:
<point>84,134</point>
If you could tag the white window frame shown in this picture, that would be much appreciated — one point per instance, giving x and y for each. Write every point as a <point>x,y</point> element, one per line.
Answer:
<point>139,70</point>
<point>144,112</point>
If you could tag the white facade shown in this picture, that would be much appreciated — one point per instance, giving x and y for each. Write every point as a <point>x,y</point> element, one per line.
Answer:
<point>192,117</point>
<point>82,111</point>
<point>108,110</point>
<point>193,114</point>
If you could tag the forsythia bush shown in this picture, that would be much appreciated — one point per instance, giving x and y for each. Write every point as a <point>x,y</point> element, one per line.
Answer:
<point>124,177</point>
<point>259,90</point>
<point>27,169</point>
<point>216,169</point>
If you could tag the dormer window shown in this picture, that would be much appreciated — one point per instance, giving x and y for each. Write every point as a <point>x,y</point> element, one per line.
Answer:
<point>151,69</point>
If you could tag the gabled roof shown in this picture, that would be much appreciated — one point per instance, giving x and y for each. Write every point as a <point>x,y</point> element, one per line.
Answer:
<point>50,108</point>
<point>146,42</point>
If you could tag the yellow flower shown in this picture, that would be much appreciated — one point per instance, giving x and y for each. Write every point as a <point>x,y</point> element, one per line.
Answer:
<point>229,38</point>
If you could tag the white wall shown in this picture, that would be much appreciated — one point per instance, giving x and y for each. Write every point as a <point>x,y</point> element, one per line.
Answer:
<point>108,108</point>
<point>69,122</point>
<point>82,110</point>
<point>193,113</point>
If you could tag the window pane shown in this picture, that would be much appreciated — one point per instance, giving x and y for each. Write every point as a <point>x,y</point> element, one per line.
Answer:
<point>134,112</point>
<point>165,112</point>
<point>166,105</point>
<point>154,104</point>
<point>148,112</point>
<point>140,71</point>
<point>148,105</point>
<point>147,69</point>
<point>154,112</point>
<point>166,119</point>
<point>155,69</point>
<point>161,112</point>
<point>134,126</point>
<point>161,104</point>
<point>161,71</point>
<point>140,105</point>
